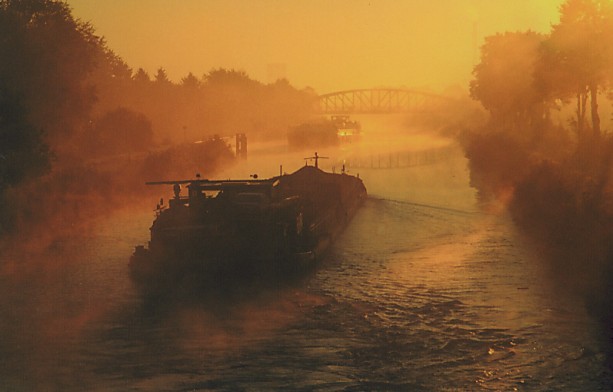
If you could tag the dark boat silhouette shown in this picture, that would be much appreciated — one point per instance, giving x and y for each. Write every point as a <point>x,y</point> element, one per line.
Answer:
<point>245,228</point>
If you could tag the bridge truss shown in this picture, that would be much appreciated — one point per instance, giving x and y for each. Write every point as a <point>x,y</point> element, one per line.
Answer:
<point>373,101</point>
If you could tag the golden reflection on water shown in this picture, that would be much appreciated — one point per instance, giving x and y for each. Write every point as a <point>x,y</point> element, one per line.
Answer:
<point>480,266</point>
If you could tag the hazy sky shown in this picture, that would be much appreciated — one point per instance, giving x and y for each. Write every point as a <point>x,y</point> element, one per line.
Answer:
<point>325,44</point>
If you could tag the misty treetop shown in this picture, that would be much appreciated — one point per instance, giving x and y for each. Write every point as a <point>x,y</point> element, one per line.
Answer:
<point>504,79</point>
<point>580,57</point>
<point>555,177</point>
<point>221,101</point>
<point>67,100</point>
<point>523,76</point>
<point>64,78</point>
<point>46,56</point>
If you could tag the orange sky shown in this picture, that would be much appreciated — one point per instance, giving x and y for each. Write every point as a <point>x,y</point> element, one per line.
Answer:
<point>325,44</point>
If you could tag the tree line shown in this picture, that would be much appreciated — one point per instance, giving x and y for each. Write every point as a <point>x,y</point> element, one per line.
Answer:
<point>544,150</point>
<point>524,76</point>
<point>67,99</point>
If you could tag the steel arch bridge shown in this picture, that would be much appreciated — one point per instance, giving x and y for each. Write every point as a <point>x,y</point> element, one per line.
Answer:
<point>375,101</point>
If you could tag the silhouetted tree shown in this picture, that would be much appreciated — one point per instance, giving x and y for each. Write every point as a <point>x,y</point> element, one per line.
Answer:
<point>190,81</point>
<point>314,134</point>
<point>577,59</point>
<point>222,101</point>
<point>141,76</point>
<point>23,154</point>
<point>161,77</point>
<point>120,131</point>
<point>232,77</point>
<point>110,78</point>
<point>51,54</point>
<point>110,65</point>
<point>504,82</point>
<point>187,159</point>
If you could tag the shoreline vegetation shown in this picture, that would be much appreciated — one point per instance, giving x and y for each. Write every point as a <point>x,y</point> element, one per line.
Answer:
<point>546,151</point>
<point>81,130</point>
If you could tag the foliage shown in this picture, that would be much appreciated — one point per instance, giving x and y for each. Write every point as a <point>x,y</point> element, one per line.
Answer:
<point>567,209</point>
<point>22,151</point>
<point>559,189</point>
<point>577,60</point>
<point>119,131</point>
<point>312,135</point>
<point>190,81</point>
<point>504,81</point>
<point>161,77</point>
<point>46,55</point>
<point>47,59</point>
<point>221,102</point>
<point>141,76</point>
<point>65,94</point>
<point>497,161</point>
<point>187,159</point>
<point>50,55</point>
<point>522,75</point>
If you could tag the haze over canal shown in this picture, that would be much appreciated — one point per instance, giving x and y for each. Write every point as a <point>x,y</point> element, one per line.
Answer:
<point>482,258</point>
<point>424,291</point>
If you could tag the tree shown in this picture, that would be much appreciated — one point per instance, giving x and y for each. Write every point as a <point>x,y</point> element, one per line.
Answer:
<point>161,77</point>
<point>23,154</point>
<point>190,82</point>
<point>46,91</point>
<point>109,80</point>
<point>232,77</point>
<point>51,56</point>
<point>504,83</point>
<point>577,58</point>
<point>110,65</point>
<point>121,130</point>
<point>141,76</point>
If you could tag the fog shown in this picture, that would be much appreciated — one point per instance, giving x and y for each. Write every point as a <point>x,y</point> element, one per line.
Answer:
<point>329,46</point>
<point>67,294</point>
<point>100,99</point>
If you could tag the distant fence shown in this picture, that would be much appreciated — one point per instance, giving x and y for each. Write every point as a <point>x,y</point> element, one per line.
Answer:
<point>395,160</point>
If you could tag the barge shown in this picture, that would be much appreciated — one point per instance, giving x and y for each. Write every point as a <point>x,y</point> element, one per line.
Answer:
<point>230,228</point>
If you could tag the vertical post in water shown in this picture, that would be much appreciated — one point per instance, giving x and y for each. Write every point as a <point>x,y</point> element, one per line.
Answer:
<point>241,146</point>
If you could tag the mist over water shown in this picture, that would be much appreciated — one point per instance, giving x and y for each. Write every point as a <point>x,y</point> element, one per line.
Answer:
<point>480,260</point>
<point>423,291</point>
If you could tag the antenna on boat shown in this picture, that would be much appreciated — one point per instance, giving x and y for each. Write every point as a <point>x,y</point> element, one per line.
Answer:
<point>316,158</point>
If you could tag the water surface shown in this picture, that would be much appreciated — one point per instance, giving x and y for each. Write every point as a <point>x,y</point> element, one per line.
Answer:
<point>423,291</point>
